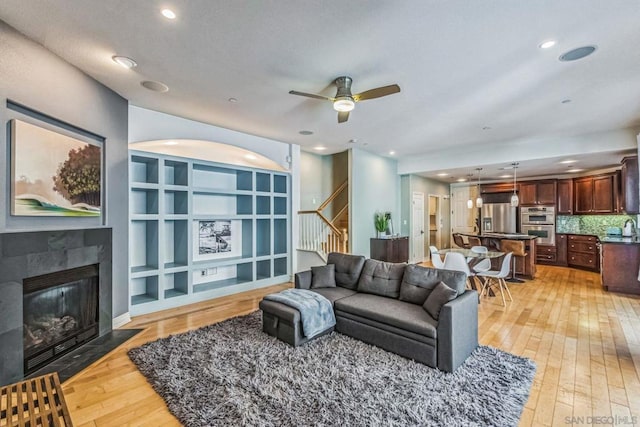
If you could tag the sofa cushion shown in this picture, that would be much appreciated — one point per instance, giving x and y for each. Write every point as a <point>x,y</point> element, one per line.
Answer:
<point>334,294</point>
<point>389,311</point>
<point>348,269</point>
<point>440,295</point>
<point>381,278</point>
<point>323,276</point>
<point>418,282</point>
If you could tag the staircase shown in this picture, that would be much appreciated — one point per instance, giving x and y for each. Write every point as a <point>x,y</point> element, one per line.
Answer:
<point>325,229</point>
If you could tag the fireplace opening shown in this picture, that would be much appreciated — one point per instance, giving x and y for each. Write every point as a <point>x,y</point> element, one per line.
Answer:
<point>60,313</point>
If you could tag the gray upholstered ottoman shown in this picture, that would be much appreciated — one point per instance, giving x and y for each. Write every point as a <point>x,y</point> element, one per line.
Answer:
<point>283,322</point>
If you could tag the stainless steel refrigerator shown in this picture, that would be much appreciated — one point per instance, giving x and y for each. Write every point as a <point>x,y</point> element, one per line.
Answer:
<point>498,218</point>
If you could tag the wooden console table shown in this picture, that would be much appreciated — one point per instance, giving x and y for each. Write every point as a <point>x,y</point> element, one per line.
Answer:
<point>390,250</point>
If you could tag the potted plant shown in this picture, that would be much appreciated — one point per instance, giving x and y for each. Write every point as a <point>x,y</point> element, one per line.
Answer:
<point>381,222</point>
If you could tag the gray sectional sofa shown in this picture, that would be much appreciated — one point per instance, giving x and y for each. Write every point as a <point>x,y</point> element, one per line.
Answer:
<point>400,308</point>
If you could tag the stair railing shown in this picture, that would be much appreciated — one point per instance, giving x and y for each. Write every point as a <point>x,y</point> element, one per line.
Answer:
<point>320,234</point>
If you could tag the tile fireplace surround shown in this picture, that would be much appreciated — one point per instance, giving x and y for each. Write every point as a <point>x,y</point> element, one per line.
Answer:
<point>28,254</point>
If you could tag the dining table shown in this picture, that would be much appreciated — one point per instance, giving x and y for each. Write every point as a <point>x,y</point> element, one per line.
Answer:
<point>473,258</point>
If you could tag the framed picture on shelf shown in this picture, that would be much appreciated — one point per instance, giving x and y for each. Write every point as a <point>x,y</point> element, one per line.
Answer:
<point>214,239</point>
<point>54,174</point>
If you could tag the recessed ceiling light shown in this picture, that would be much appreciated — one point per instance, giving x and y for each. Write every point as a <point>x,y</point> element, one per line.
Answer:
<point>305,132</point>
<point>547,44</point>
<point>168,13</point>
<point>250,156</point>
<point>461,179</point>
<point>124,62</point>
<point>566,101</point>
<point>505,176</point>
<point>155,86</point>
<point>233,100</point>
<point>353,141</point>
<point>320,148</point>
<point>171,143</point>
<point>568,162</point>
<point>442,174</point>
<point>578,53</point>
<point>391,153</point>
<point>575,170</point>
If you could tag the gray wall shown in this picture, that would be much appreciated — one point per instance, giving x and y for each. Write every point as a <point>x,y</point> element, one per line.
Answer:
<point>315,179</point>
<point>374,187</point>
<point>35,77</point>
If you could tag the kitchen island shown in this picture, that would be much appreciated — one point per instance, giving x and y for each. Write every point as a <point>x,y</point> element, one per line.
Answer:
<point>620,264</point>
<point>525,266</point>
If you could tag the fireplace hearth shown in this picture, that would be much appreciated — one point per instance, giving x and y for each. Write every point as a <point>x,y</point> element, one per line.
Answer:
<point>60,312</point>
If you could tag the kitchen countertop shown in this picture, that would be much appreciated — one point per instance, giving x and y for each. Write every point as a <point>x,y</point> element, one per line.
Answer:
<point>634,240</point>
<point>505,236</point>
<point>604,238</point>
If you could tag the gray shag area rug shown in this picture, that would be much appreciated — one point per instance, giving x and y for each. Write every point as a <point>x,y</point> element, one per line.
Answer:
<point>231,373</point>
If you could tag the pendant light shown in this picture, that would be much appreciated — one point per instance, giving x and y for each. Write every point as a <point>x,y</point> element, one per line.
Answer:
<point>470,201</point>
<point>515,201</point>
<point>479,199</point>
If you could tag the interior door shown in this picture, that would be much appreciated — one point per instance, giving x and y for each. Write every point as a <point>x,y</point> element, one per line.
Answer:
<point>462,218</point>
<point>417,227</point>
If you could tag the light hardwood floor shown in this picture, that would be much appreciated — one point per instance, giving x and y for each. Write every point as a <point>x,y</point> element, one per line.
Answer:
<point>585,342</point>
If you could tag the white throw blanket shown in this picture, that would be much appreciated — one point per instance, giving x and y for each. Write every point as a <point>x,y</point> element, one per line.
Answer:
<point>316,312</point>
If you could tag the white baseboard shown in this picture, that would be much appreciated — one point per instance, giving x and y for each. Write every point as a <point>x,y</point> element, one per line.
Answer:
<point>121,320</point>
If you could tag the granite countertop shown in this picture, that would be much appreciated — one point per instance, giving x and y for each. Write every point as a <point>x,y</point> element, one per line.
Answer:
<point>505,236</point>
<point>604,238</point>
<point>634,240</point>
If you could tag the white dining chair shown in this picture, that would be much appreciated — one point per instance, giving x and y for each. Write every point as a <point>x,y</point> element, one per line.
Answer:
<point>484,264</point>
<point>456,261</point>
<point>436,260</point>
<point>495,277</point>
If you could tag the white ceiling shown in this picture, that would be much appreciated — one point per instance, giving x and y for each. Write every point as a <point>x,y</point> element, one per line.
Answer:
<point>462,65</point>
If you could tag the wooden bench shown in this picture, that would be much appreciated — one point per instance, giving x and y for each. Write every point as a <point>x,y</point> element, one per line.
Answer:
<point>34,402</point>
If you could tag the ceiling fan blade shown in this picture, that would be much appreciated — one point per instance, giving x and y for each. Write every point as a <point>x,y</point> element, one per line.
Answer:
<point>376,93</point>
<point>310,95</point>
<point>343,116</point>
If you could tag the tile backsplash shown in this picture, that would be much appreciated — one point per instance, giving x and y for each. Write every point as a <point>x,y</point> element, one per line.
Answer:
<point>589,224</point>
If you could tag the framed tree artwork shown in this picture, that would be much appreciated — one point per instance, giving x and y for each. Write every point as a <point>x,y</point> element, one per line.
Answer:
<point>54,174</point>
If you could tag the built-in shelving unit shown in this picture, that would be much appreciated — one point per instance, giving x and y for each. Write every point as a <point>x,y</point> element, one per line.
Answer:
<point>199,230</point>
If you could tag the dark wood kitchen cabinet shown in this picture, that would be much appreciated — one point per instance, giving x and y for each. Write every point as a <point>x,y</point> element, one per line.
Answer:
<point>620,264</point>
<point>561,250</point>
<point>390,250</point>
<point>564,205</point>
<point>538,192</point>
<point>546,254</point>
<point>582,252</point>
<point>596,194</point>
<point>629,202</point>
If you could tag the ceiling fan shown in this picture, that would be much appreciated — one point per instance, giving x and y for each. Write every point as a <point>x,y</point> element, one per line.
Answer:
<point>344,101</point>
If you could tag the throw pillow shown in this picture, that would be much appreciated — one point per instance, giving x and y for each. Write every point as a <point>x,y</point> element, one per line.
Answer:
<point>381,278</point>
<point>418,282</point>
<point>440,295</point>
<point>323,277</point>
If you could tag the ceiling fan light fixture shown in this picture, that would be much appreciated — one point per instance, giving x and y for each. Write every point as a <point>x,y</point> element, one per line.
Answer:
<point>343,104</point>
